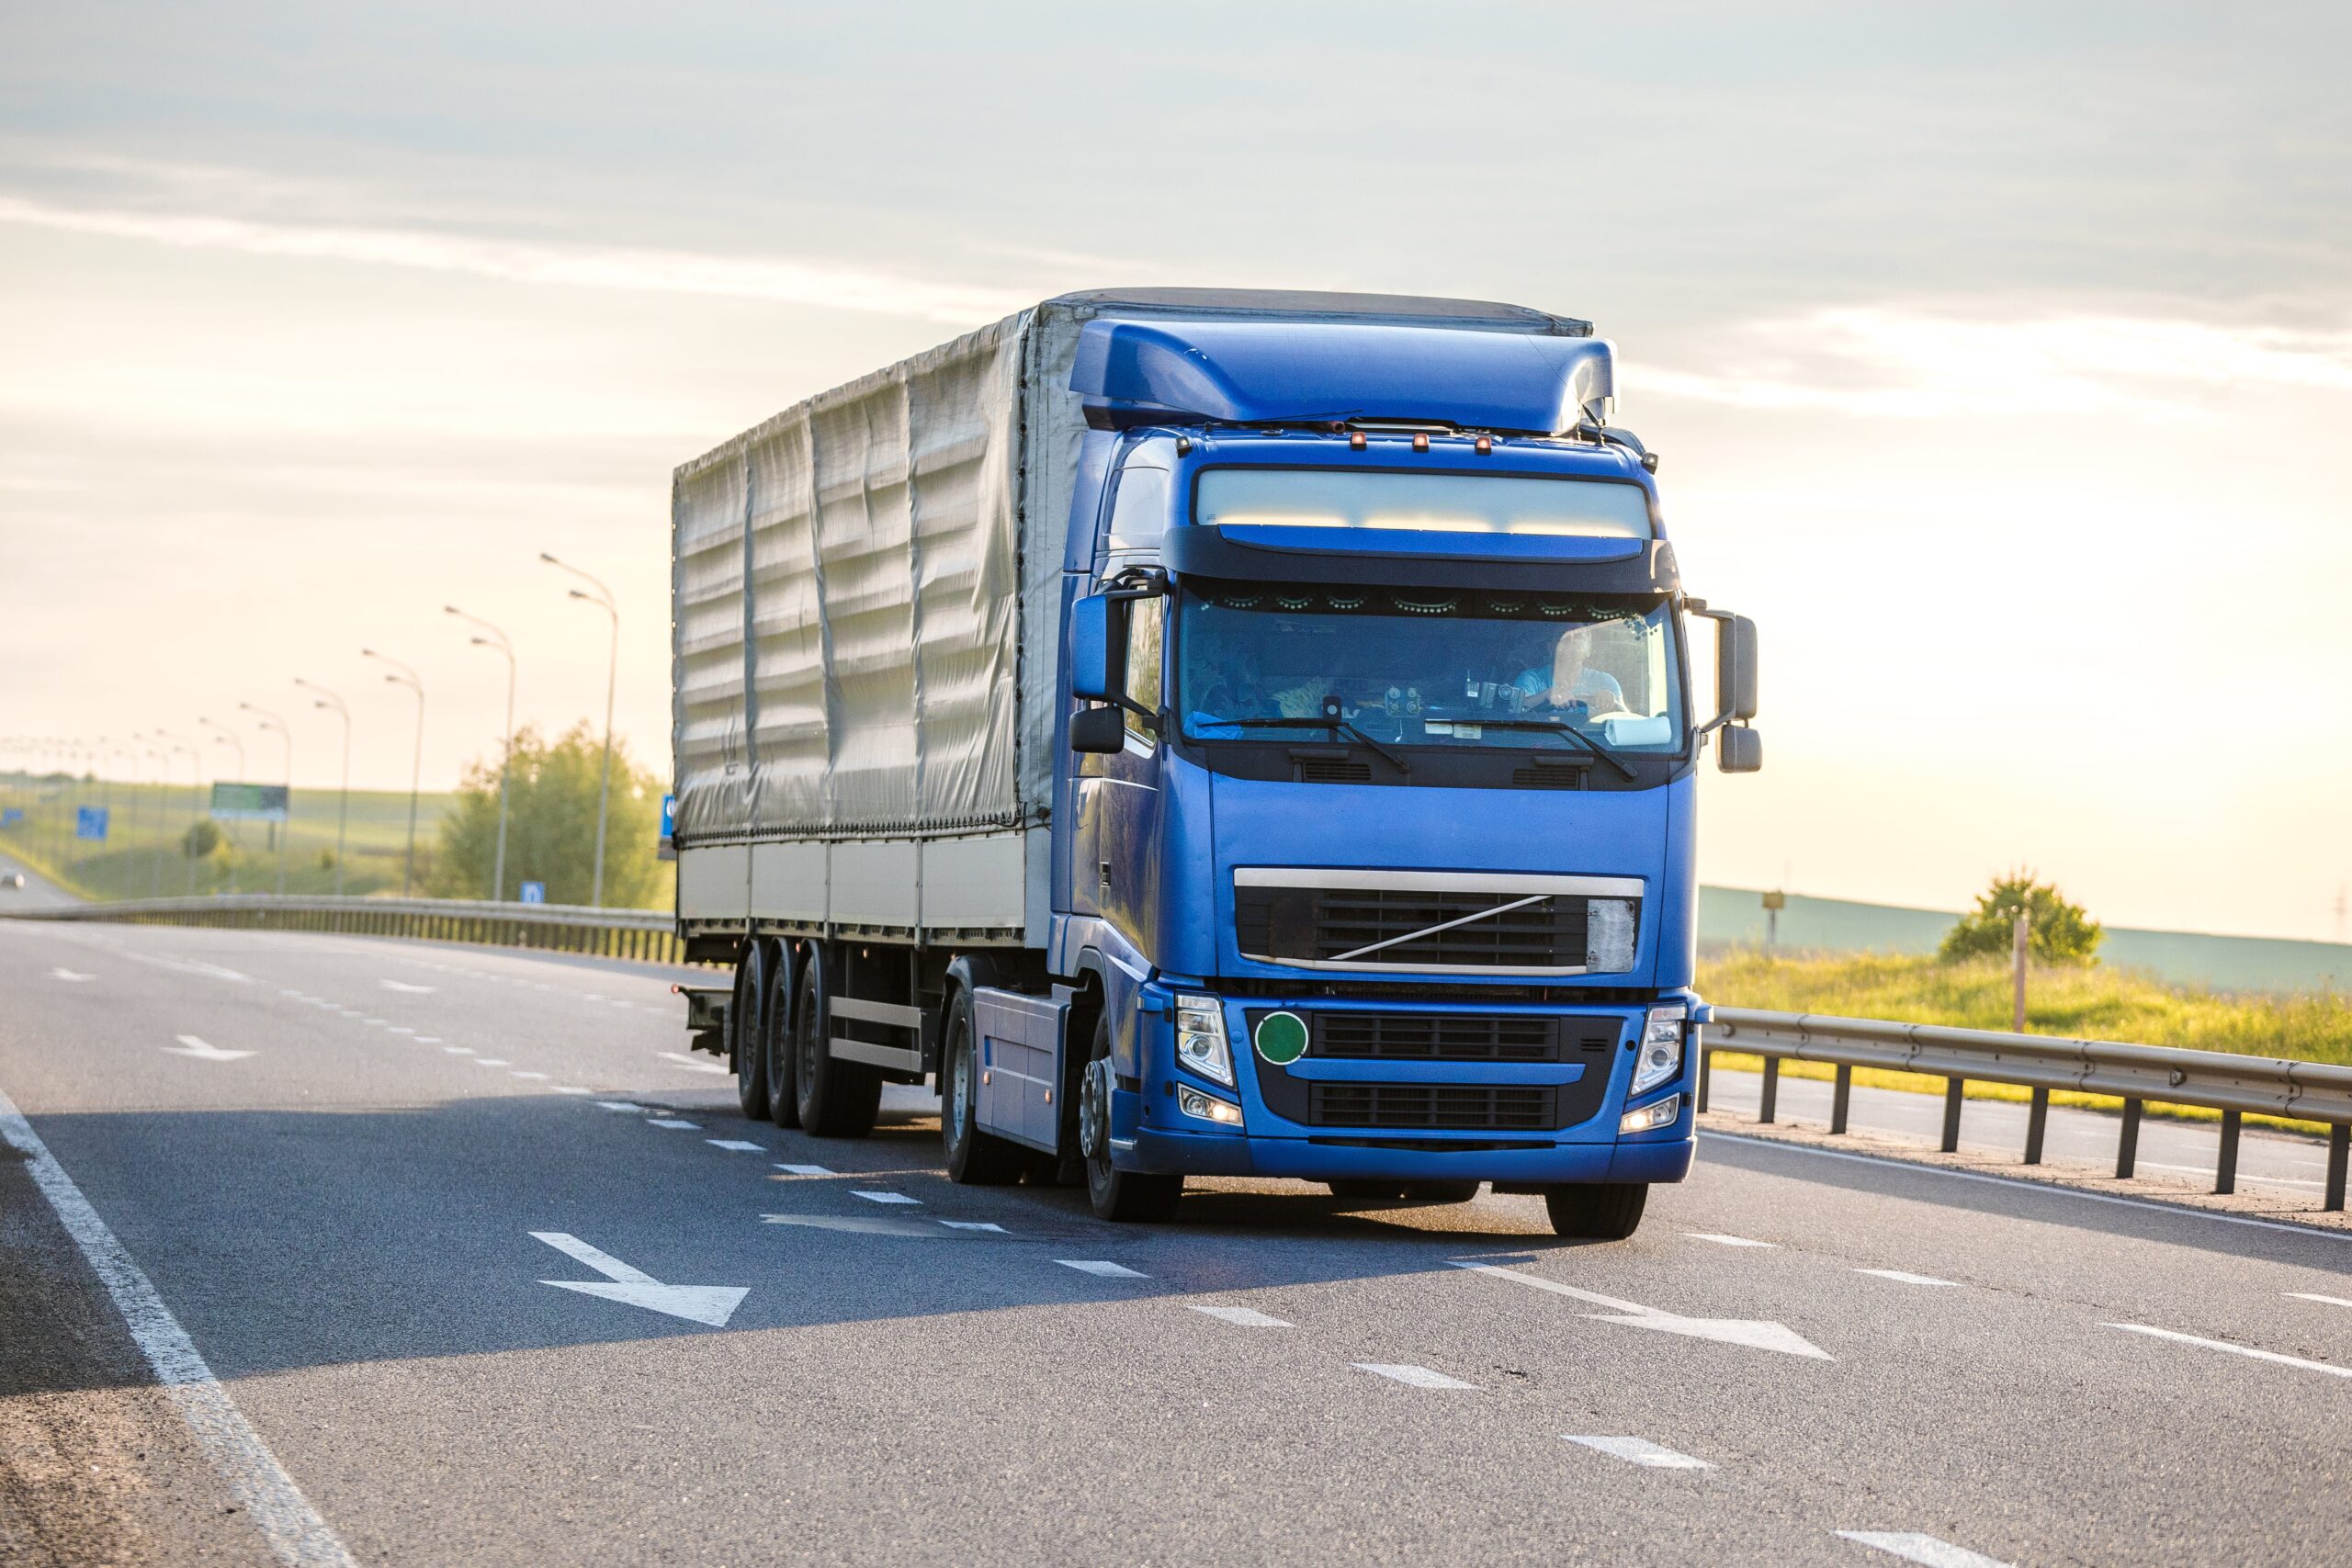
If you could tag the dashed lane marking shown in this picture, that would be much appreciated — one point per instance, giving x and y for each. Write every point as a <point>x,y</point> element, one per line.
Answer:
<point>519,1074</point>
<point>1902,1276</point>
<point>1245,1317</point>
<point>72,975</point>
<point>296,1533</point>
<point>735,1145</point>
<point>2324,1301</point>
<point>1729,1240</point>
<point>404,986</point>
<point>672,1121</point>
<point>428,1040</point>
<point>491,1061</point>
<point>677,1059</point>
<point>377,1022</point>
<point>458,1050</point>
<point>884,1197</point>
<point>988,1225</point>
<point>620,1105</point>
<point>1098,1267</point>
<point>572,1089</point>
<point>401,1029</point>
<point>806,1170</point>
<point>1415,1377</point>
<point>1925,1550</point>
<point>2233,1349</point>
<point>1641,1452</point>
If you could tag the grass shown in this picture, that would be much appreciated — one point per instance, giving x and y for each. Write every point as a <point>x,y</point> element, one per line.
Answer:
<point>2094,1003</point>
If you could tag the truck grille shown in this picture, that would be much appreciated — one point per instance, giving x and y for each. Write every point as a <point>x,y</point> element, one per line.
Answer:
<point>1447,1037</point>
<point>1322,923</point>
<point>1461,1106</point>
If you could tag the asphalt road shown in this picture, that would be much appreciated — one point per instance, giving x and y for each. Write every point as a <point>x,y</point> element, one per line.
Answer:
<point>1820,1360</point>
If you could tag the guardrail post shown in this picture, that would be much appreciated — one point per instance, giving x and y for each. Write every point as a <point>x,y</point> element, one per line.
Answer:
<point>1771,1090</point>
<point>1841,1097</point>
<point>1955,1090</point>
<point>2339,1146</point>
<point>2225,1174</point>
<point>2127,1147</point>
<point>1706,1071</point>
<point>2037,1120</point>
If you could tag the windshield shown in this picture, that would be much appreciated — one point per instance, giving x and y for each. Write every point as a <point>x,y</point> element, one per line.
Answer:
<point>1428,667</point>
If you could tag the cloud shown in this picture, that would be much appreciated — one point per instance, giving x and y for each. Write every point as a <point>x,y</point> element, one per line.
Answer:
<point>1893,363</point>
<point>774,279</point>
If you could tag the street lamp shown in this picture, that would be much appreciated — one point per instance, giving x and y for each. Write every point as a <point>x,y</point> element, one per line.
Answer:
<point>333,704</point>
<point>228,737</point>
<point>405,676</point>
<point>195,788</point>
<point>269,720</point>
<point>602,599</point>
<point>498,641</point>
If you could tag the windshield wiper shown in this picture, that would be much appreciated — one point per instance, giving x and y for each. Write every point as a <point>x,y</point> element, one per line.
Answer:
<point>1332,726</point>
<point>1560,726</point>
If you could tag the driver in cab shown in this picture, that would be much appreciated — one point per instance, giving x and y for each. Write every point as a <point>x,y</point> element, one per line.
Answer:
<point>1569,681</point>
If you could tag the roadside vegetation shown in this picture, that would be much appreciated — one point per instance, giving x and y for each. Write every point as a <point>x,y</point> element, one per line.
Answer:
<point>551,826</point>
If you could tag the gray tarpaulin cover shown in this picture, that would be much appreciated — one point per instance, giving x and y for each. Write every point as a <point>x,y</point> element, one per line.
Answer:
<point>866,591</point>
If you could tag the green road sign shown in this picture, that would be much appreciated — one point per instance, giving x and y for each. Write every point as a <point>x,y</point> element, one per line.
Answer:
<point>249,802</point>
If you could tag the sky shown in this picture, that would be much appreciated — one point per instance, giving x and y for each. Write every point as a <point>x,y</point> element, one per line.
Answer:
<point>1999,357</point>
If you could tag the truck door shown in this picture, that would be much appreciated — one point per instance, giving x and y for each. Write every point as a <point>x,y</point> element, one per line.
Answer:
<point>1114,871</point>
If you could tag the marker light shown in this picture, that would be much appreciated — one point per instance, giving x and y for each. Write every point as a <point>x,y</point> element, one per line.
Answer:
<point>1662,1113</point>
<point>1206,1107</point>
<point>1200,1038</point>
<point>1661,1055</point>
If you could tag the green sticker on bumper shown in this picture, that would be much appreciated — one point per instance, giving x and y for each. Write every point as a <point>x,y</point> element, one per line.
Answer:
<point>1280,1038</point>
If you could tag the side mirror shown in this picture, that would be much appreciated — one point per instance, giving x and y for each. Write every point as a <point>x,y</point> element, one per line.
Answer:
<point>1098,729</point>
<point>1098,649</point>
<point>1736,670</point>
<point>1738,750</point>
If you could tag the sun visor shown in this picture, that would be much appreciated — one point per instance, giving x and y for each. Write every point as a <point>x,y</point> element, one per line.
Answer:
<point>1275,554</point>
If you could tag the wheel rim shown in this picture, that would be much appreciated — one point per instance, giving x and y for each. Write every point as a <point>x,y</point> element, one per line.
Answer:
<point>807,1028</point>
<point>748,1044</point>
<point>959,1085</point>
<point>1094,1113</point>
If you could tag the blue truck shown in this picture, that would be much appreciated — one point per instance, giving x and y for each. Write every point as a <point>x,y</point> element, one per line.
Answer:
<point>1208,733</point>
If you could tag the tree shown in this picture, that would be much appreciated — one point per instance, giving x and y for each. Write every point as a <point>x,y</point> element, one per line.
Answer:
<point>201,839</point>
<point>551,825</point>
<point>2059,932</point>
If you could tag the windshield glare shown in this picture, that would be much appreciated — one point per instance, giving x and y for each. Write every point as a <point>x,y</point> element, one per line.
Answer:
<point>1432,666</point>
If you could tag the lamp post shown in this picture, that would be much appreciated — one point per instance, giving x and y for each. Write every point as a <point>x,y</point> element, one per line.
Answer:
<point>195,788</point>
<point>163,810</point>
<point>602,600</point>
<point>404,676</point>
<point>119,749</point>
<point>333,704</point>
<point>228,737</point>
<point>269,720</point>
<point>497,640</point>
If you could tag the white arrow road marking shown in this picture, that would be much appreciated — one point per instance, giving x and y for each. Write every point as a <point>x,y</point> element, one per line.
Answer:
<point>2234,1349</point>
<point>1903,1277</point>
<point>1247,1318</point>
<point>711,1304</point>
<point>1912,1547</point>
<point>404,986</point>
<point>1418,1377</point>
<point>884,1197</point>
<point>2324,1301</point>
<point>189,1045</point>
<point>676,1059</point>
<point>1755,1334</point>
<point>1729,1240</point>
<point>1638,1451</point>
<point>70,975</point>
<point>1096,1266</point>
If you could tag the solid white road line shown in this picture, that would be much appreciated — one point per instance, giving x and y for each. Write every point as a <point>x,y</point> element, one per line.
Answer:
<point>268,1495</point>
<point>1246,1317</point>
<point>2327,1301</point>
<point>735,1145</point>
<point>1096,1266</point>
<point>2019,1184</point>
<point>884,1197</point>
<point>1417,1377</point>
<point>2207,1170</point>
<point>1902,1278</point>
<point>806,1169</point>
<point>672,1121</point>
<point>1729,1240</point>
<point>1637,1450</point>
<point>2234,1349</point>
<point>1926,1549</point>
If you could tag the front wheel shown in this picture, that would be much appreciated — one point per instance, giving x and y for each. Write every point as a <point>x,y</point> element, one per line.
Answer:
<point>973,1158</point>
<point>1116,1195</point>
<point>1598,1211</point>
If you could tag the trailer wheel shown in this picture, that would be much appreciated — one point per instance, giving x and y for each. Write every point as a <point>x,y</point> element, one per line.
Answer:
<point>776,1043</point>
<point>1116,1195</point>
<point>744,1047</point>
<point>838,1098</point>
<point>973,1158</point>
<point>1598,1211</point>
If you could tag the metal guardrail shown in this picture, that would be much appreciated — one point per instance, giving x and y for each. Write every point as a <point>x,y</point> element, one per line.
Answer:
<point>2214,1080</point>
<point>648,935</point>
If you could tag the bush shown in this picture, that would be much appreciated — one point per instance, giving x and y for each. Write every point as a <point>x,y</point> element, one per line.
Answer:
<point>2059,932</point>
<point>551,825</point>
<point>202,837</point>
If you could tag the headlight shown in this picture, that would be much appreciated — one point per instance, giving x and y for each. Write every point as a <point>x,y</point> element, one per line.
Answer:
<point>1661,1055</point>
<point>1200,1038</point>
<point>1649,1117</point>
<point>1207,1107</point>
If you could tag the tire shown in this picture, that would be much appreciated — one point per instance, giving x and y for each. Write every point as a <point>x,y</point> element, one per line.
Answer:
<point>838,1098</point>
<point>744,1047</point>
<point>775,1041</point>
<point>1366,1191</point>
<point>1116,1195</point>
<point>1598,1211</point>
<point>973,1158</point>
<point>1441,1192</point>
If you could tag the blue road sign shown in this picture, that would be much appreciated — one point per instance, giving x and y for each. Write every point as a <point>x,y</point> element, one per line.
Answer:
<point>535,892</point>
<point>90,822</point>
<point>11,815</point>
<point>668,817</point>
